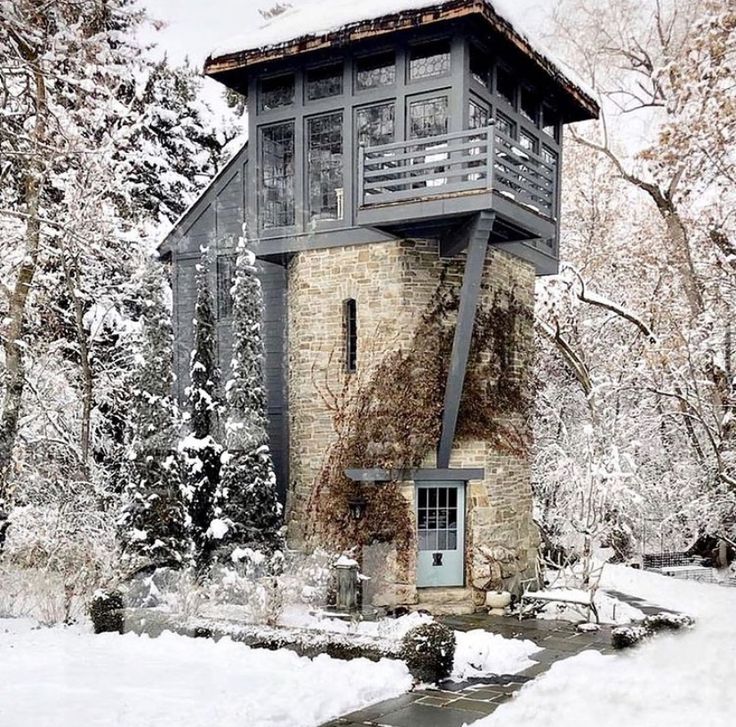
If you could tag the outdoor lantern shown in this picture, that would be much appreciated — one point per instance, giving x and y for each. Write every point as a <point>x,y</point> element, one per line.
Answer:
<point>357,507</point>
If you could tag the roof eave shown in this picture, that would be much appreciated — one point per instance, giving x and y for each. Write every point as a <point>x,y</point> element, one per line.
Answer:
<point>223,66</point>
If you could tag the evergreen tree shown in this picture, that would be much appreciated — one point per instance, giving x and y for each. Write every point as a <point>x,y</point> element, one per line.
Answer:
<point>200,449</point>
<point>152,521</point>
<point>247,498</point>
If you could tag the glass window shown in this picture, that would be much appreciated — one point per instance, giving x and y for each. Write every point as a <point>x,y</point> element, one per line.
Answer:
<point>550,120</point>
<point>549,156</point>
<point>324,82</point>
<point>351,335</point>
<point>479,66</point>
<point>506,84</point>
<point>225,281</point>
<point>376,124</point>
<point>324,167</point>
<point>429,60</point>
<point>505,125</point>
<point>375,71</point>
<point>529,105</point>
<point>428,117</point>
<point>276,92</point>
<point>478,116</point>
<point>277,175</point>
<point>528,142</point>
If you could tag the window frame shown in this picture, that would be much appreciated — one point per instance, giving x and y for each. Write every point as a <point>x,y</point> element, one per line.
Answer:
<point>275,77</point>
<point>339,65</point>
<point>413,47</point>
<point>309,215</point>
<point>358,60</point>
<point>261,193</point>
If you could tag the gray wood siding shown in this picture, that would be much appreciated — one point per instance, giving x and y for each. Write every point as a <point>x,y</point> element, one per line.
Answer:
<point>216,220</point>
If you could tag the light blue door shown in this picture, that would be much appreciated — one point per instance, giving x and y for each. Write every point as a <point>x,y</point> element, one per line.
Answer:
<point>440,534</point>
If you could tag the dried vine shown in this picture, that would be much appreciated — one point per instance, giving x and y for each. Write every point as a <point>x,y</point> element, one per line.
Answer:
<point>392,419</point>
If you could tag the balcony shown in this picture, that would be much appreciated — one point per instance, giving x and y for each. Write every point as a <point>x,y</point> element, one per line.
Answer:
<point>421,181</point>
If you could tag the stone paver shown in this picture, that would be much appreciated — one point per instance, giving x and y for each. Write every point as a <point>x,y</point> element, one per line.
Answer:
<point>456,704</point>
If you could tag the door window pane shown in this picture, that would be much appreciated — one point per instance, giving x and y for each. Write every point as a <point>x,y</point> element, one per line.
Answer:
<point>452,540</point>
<point>276,92</point>
<point>324,162</point>
<point>375,71</point>
<point>324,82</point>
<point>430,60</point>
<point>376,124</point>
<point>428,117</point>
<point>277,175</point>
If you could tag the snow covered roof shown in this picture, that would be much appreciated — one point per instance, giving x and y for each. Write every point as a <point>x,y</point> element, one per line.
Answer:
<point>312,26</point>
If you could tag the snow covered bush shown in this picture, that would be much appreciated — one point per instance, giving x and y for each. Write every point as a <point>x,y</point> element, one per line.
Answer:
<point>56,556</point>
<point>429,652</point>
<point>247,495</point>
<point>106,612</point>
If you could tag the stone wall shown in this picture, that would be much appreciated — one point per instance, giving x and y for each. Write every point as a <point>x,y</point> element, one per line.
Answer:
<point>393,284</point>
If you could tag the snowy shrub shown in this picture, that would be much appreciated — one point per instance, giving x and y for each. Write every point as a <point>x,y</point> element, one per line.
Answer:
<point>429,652</point>
<point>623,637</point>
<point>56,556</point>
<point>665,621</point>
<point>106,611</point>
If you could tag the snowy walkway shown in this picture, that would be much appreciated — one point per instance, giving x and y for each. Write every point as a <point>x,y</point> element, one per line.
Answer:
<point>67,677</point>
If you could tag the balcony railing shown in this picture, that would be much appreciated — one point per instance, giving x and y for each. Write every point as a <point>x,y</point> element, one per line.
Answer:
<point>464,162</point>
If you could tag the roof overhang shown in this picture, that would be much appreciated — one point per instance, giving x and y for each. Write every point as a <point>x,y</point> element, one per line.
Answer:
<point>232,68</point>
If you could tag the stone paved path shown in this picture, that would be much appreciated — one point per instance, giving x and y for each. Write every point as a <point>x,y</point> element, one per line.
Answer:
<point>457,704</point>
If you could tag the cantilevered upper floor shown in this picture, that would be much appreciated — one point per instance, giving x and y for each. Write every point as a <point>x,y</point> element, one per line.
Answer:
<point>405,118</point>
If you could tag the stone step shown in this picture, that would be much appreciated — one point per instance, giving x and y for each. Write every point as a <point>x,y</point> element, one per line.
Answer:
<point>445,601</point>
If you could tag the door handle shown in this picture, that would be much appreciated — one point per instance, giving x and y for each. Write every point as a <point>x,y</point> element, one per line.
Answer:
<point>436,559</point>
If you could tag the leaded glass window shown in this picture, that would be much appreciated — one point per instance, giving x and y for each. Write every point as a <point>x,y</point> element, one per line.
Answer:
<point>324,165</point>
<point>478,116</point>
<point>549,121</point>
<point>276,92</point>
<point>428,117</point>
<point>479,66</point>
<point>225,281</point>
<point>529,105</point>
<point>376,124</point>
<point>324,82</point>
<point>277,175</point>
<point>375,71</point>
<point>505,125</point>
<point>429,60</point>
<point>506,84</point>
<point>528,142</point>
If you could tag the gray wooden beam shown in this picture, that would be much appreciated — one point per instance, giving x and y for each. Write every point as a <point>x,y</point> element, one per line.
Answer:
<point>460,474</point>
<point>478,237</point>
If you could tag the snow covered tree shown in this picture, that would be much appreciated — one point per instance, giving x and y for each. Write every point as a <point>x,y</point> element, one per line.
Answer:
<point>152,521</point>
<point>201,449</point>
<point>247,500</point>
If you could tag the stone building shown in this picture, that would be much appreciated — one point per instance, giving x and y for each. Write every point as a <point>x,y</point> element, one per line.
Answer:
<point>406,153</point>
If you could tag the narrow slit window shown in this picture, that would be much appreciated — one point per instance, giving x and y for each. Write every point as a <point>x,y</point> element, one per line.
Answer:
<point>351,335</point>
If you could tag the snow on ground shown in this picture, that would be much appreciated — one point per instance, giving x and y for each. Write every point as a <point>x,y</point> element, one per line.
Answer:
<point>68,677</point>
<point>480,653</point>
<point>673,680</point>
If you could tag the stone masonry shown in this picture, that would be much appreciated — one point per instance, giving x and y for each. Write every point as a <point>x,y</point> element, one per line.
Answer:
<point>393,284</point>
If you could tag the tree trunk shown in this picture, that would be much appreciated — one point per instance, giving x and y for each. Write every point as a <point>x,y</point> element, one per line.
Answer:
<point>13,344</point>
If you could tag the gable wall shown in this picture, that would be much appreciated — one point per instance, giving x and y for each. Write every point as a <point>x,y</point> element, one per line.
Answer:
<point>216,220</point>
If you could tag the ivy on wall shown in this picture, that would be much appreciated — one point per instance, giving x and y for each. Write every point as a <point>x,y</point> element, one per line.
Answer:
<point>390,416</point>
